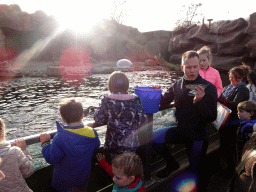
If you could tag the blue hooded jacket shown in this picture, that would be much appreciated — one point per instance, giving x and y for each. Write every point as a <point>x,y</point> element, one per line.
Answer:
<point>71,152</point>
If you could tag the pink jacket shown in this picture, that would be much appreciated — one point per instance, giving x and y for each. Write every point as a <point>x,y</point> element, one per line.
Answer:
<point>212,75</point>
<point>16,165</point>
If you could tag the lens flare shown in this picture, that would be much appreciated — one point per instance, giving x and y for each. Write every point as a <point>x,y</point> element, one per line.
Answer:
<point>184,182</point>
<point>75,64</point>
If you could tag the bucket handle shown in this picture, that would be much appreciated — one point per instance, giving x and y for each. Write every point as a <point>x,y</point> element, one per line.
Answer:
<point>144,90</point>
<point>147,90</point>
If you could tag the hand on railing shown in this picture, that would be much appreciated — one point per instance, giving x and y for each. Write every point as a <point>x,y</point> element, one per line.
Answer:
<point>21,143</point>
<point>44,137</point>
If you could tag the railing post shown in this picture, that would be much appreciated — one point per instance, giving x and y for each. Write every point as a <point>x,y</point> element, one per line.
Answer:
<point>149,137</point>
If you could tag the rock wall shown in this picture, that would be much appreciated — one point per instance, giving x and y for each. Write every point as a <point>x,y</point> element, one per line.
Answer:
<point>231,42</point>
<point>108,41</point>
<point>34,37</point>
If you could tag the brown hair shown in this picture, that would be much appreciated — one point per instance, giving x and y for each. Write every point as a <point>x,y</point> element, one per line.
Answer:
<point>71,110</point>
<point>130,163</point>
<point>2,130</point>
<point>189,54</point>
<point>248,106</point>
<point>240,72</point>
<point>206,51</point>
<point>118,82</point>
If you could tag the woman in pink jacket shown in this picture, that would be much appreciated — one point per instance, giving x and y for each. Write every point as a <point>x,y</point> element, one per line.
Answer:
<point>206,71</point>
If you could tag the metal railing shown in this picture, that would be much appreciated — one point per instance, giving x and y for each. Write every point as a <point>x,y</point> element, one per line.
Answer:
<point>147,134</point>
<point>32,139</point>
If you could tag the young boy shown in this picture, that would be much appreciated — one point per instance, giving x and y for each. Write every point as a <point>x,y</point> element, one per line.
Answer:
<point>71,149</point>
<point>126,171</point>
<point>247,112</point>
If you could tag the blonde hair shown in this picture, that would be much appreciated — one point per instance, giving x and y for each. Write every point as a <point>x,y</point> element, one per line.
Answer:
<point>130,163</point>
<point>2,130</point>
<point>206,51</point>
<point>118,82</point>
<point>71,110</point>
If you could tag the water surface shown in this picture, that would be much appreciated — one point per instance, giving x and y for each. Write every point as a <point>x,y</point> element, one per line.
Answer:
<point>31,105</point>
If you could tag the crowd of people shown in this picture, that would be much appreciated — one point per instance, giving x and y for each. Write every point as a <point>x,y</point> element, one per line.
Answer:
<point>75,145</point>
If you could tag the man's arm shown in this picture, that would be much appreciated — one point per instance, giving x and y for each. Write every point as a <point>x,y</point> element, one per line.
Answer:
<point>207,106</point>
<point>167,98</point>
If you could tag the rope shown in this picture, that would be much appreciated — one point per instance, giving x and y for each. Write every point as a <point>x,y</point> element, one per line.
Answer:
<point>105,187</point>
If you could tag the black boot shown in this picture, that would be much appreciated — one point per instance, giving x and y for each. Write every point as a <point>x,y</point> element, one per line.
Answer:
<point>171,163</point>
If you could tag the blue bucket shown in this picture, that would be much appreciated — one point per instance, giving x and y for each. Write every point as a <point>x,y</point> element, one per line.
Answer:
<point>149,97</point>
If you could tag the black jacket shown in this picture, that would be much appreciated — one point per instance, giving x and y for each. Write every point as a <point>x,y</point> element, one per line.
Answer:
<point>192,117</point>
<point>234,98</point>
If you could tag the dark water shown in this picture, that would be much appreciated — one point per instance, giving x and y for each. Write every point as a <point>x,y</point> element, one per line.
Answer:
<point>31,105</point>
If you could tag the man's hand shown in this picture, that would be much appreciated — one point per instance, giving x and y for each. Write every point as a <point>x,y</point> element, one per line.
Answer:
<point>199,93</point>
<point>44,137</point>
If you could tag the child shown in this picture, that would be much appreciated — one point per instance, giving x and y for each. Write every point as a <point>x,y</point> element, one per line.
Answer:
<point>71,149</point>
<point>123,113</point>
<point>251,85</point>
<point>126,171</point>
<point>247,113</point>
<point>206,71</point>
<point>16,163</point>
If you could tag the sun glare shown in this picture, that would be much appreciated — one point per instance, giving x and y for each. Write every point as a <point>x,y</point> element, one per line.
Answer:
<point>78,19</point>
<point>76,25</point>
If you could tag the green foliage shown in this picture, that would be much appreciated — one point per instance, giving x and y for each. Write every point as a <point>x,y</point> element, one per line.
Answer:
<point>173,67</point>
<point>189,15</point>
<point>118,12</point>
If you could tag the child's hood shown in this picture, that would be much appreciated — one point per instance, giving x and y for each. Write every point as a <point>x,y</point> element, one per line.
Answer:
<point>4,147</point>
<point>248,124</point>
<point>121,96</point>
<point>79,138</point>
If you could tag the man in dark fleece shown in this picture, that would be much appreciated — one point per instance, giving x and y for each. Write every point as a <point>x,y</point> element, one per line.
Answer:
<point>195,107</point>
